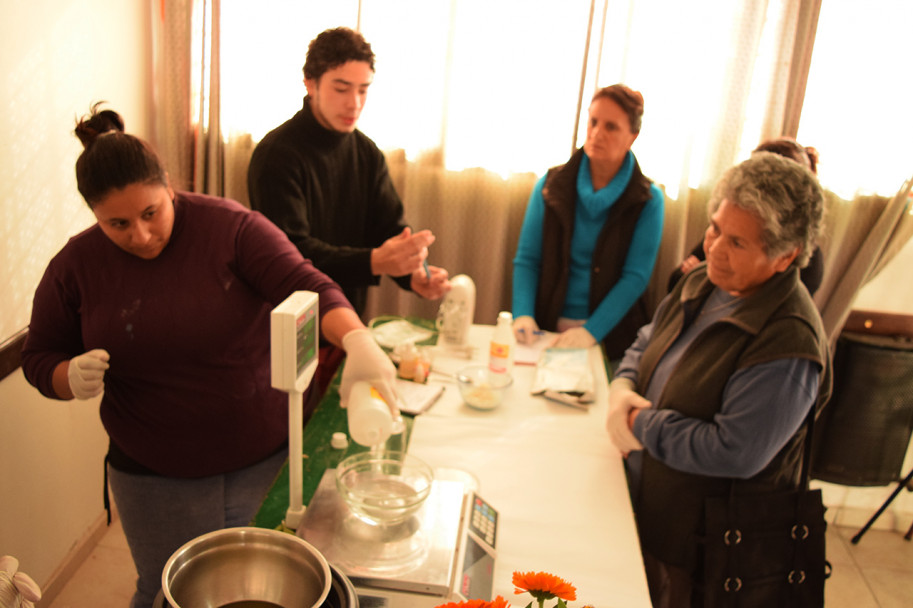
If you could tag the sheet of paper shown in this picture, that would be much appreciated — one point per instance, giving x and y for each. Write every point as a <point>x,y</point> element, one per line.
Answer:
<point>528,354</point>
<point>416,398</point>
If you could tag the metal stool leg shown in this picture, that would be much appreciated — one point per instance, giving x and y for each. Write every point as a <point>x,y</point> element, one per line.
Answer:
<point>903,484</point>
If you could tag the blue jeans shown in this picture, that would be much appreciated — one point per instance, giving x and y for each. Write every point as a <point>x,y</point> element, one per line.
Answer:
<point>160,514</point>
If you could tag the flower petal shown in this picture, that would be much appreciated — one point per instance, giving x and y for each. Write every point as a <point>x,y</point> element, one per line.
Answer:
<point>543,586</point>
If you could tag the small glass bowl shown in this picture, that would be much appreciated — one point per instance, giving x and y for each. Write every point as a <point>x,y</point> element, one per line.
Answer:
<point>384,487</point>
<point>481,388</point>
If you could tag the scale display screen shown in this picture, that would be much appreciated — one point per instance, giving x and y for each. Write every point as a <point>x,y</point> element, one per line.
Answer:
<point>294,335</point>
<point>306,342</point>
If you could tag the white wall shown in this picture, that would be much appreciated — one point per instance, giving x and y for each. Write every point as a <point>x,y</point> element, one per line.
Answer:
<point>51,479</point>
<point>56,58</point>
<point>892,289</point>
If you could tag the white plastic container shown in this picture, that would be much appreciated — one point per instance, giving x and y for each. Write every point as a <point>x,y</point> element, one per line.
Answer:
<point>457,311</point>
<point>503,345</point>
<point>370,421</point>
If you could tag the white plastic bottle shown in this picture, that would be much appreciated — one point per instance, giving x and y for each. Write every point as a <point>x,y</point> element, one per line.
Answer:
<point>370,420</point>
<point>503,344</point>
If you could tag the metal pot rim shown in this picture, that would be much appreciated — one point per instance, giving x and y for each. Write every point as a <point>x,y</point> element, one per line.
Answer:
<point>200,544</point>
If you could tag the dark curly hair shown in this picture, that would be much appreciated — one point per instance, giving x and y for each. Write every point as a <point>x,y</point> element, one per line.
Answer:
<point>334,47</point>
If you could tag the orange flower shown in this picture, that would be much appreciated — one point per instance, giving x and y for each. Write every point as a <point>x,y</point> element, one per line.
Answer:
<point>498,602</point>
<point>543,586</point>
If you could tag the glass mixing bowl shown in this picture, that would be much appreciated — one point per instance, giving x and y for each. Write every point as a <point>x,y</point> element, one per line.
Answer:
<point>481,388</point>
<point>383,487</point>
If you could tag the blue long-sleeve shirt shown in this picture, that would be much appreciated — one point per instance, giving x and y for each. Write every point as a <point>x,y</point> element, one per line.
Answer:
<point>763,406</point>
<point>592,209</point>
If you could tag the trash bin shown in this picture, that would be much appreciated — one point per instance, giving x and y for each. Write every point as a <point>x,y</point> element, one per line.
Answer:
<point>862,435</point>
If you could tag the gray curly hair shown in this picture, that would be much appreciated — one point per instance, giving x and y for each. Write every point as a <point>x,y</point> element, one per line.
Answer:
<point>783,194</point>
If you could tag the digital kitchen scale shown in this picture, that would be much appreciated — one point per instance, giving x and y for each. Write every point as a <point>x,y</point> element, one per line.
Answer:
<point>445,552</point>
<point>294,336</point>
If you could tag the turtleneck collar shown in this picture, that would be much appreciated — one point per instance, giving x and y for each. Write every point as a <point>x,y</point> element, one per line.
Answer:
<point>597,201</point>
<point>316,130</point>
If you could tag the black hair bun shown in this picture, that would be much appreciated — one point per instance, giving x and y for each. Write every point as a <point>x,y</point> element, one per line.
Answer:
<point>97,123</point>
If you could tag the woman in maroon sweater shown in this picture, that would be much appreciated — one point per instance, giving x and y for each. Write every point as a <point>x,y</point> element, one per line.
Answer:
<point>163,306</point>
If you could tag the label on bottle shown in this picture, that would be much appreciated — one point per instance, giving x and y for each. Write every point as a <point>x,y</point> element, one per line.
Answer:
<point>498,357</point>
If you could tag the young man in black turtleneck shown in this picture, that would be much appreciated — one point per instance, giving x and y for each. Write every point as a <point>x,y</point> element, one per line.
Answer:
<point>327,186</point>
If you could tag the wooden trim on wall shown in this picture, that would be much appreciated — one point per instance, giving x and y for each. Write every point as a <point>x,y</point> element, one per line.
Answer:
<point>77,556</point>
<point>11,353</point>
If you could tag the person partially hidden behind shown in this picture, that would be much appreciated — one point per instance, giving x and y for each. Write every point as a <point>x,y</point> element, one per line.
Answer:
<point>163,308</point>
<point>718,385</point>
<point>590,236</point>
<point>327,186</point>
<point>787,147</point>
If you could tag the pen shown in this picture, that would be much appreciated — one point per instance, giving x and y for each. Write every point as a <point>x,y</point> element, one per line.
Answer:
<point>427,270</point>
<point>537,332</point>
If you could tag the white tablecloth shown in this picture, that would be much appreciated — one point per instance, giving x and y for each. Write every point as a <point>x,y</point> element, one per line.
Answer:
<point>552,474</point>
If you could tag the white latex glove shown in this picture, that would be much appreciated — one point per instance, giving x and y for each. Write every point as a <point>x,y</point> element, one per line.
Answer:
<point>622,399</point>
<point>16,588</point>
<point>86,373</point>
<point>366,361</point>
<point>576,337</point>
<point>525,328</point>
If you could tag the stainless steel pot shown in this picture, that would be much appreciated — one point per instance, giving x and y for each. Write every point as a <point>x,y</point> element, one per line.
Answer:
<point>343,594</point>
<point>256,566</point>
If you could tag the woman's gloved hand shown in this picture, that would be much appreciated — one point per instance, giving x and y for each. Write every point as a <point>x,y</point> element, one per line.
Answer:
<point>16,588</point>
<point>576,337</point>
<point>525,329</point>
<point>367,361</point>
<point>86,373</point>
<point>622,399</point>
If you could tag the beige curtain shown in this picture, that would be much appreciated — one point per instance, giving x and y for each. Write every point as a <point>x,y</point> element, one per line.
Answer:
<point>683,227</point>
<point>476,216</point>
<point>861,237</point>
<point>208,157</point>
<point>174,124</point>
<point>188,131</point>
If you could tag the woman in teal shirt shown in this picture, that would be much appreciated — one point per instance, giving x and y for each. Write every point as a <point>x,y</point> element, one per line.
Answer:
<point>590,236</point>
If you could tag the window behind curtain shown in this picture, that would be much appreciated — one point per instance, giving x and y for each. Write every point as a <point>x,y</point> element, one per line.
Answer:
<point>263,46</point>
<point>481,83</point>
<point>858,109</point>
<point>494,83</point>
<point>488,83</point>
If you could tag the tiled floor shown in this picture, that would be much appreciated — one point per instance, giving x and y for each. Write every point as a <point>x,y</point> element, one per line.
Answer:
<point>876,573</point>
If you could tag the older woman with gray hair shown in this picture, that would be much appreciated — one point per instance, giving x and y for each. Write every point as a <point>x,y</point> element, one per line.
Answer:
<point>718,385</point>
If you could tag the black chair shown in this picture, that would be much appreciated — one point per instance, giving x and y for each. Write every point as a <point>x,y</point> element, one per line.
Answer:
<point>863,433</point>
<point>904,484</point>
